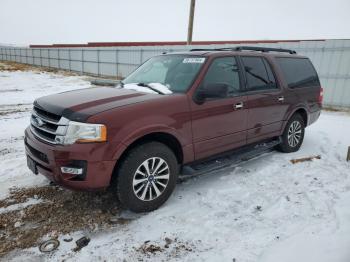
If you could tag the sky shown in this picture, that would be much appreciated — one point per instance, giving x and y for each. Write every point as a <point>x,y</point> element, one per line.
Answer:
<point>24,22</point>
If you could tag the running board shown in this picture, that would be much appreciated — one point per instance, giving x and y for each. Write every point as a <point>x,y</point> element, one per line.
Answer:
<point>229,158</point>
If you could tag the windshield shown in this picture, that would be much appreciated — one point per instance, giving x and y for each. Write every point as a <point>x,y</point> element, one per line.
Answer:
<point>176,72</point>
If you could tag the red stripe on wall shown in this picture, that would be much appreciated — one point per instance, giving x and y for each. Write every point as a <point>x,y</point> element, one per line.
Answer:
<point>125,44</point>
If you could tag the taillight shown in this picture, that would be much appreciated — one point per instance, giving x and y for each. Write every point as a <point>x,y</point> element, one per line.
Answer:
<point>320,96</point>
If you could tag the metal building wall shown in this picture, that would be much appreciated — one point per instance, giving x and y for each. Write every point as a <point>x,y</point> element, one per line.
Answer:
<point>330,57</point>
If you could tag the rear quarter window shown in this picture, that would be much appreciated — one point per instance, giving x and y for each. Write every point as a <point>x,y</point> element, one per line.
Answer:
<point>298,72</point>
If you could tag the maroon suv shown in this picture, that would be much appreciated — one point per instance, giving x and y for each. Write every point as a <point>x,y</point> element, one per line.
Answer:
<point>176,113</point>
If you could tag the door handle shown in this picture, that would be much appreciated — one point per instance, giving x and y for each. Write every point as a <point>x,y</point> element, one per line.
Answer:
<point>238,106</point>
<point>281,99</point>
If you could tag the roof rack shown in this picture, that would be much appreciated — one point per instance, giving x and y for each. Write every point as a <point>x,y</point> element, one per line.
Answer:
<point>249,48</point>
<point>264,49</point>
<point>203,49</point>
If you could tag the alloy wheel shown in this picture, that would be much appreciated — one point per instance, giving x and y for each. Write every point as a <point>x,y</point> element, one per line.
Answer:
<point>151,179</point>
<point>294,133</point>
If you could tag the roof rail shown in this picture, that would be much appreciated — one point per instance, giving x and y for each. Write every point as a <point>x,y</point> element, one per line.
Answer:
<point>203,49</point>
<point>249,48</point>
<point>263,49</point>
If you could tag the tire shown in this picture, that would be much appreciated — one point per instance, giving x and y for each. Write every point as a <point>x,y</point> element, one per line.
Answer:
<point>142,191</point>
<point>292,141</point>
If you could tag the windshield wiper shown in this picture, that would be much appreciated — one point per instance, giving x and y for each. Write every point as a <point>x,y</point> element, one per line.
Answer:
<point>152,88</point>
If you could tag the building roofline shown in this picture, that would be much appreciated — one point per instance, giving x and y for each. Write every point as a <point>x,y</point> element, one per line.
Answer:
<point>169,43</point>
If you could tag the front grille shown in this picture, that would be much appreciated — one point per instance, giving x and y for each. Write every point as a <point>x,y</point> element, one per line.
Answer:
<point>44,134</point>
<point>47,115</point>
<point>37,153</point>
<point>46,126</point>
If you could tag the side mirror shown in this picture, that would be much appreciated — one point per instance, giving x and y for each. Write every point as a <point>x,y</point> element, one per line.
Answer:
<point>211,91</point>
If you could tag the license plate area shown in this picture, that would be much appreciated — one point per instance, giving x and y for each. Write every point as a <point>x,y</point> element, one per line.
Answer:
<point>32,165</point>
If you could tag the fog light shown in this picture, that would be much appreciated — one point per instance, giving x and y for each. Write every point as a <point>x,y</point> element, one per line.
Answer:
<point>71,170</point>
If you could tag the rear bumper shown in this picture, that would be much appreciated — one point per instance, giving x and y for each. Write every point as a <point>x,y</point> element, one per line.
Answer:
<point>313,117</point>
<point>50,158</point>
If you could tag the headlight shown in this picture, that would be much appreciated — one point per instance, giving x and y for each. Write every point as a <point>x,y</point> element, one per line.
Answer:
<point>85,133</point>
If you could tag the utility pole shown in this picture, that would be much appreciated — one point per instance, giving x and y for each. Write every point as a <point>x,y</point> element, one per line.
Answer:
<point>190,22</point>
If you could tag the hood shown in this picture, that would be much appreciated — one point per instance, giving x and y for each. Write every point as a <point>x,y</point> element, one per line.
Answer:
<point>80,104</point>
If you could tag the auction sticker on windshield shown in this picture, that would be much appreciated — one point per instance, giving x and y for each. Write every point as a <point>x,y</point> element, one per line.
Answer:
<point>197,60</point>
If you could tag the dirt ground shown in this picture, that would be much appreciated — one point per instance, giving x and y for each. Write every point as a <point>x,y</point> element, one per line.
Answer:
<point>60,211</point>
<point>14,66</point>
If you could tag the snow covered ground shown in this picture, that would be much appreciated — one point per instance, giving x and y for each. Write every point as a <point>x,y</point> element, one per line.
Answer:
<point>266,209</point>
<point>18,89</point>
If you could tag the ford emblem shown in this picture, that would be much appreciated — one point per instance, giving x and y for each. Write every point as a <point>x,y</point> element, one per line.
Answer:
<point>38,121</point>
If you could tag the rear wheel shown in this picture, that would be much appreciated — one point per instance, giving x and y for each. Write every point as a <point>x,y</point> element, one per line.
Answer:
<point>293,135</point>
<point>147,177</point>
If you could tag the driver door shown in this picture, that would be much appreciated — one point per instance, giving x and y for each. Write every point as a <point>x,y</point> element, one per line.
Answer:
<point>219,123</point>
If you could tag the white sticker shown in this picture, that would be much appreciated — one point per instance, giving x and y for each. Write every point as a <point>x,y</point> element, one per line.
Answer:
<point>196,60</point>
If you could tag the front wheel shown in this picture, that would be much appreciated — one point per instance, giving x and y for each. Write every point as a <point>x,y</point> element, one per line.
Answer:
<point>147,177</point>
<point>293,135</point>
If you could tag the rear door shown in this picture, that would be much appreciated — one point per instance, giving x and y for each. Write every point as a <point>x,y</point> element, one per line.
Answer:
<point>219,124</point>
<point>265,100</point>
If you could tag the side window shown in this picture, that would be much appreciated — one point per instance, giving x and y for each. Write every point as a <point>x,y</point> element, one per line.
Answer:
<point>298,72</point>
<point>223,70</point>
<point>258,73</point>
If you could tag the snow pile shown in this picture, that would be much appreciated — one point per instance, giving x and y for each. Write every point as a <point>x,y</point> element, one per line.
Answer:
<point>157,86</point>
<point>162,88</point>
<point>18,206</point>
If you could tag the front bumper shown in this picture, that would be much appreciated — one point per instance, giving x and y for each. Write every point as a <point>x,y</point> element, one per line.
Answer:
<point>50,158</point>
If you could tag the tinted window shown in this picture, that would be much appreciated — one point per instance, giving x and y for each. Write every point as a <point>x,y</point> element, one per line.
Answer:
<point>298,72</point>
<point>223,71</point>
<point>270,74</point>
<point>259,74</point>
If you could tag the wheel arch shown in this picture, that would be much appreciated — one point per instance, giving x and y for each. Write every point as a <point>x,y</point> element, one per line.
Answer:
<point>303,112</point>
<point>298,110</point>
<point>165,138</point>
<point>284,146</point>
